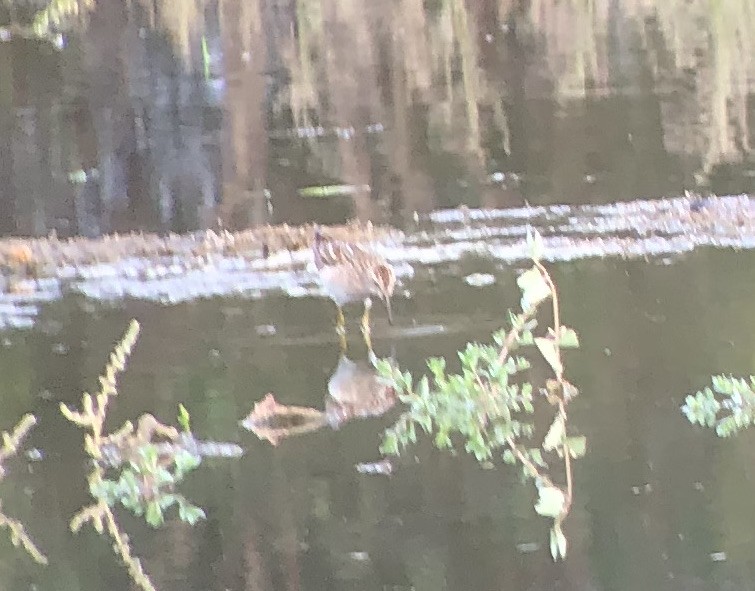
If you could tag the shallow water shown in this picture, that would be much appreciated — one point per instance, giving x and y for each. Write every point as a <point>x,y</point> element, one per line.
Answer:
<point>655,498</point>
<point>430,105</point>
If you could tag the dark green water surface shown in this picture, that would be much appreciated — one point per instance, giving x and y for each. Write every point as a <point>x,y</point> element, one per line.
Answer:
<point>654,497</point>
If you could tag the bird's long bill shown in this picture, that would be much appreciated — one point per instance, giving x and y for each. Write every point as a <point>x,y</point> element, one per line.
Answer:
<point>388,308</point>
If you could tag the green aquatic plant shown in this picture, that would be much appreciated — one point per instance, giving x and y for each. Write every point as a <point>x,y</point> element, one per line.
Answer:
<point>11,441</point>
<point>727,406</point>
<point>150,469</point>
<point>92,416</point>
<point>488,407</point>
<point>184,419</point>
<point>147,485</point>
<point>147,461</point>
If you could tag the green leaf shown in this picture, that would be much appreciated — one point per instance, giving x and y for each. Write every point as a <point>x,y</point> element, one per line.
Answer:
<point>554,544</point>
<point>423,388</point>
<point>135,504</point>
<point>163,476</point>
<point>384,368</point>
<point>548,350</point>
<point>189,513</point>
<point>389,446</point>
<point>442,440</point>
<point>535,246</point>
<point>154,514</point>
<point>437,366</point>
<point>526,339</point>
<point>406,381</point>
<point>577,446</point>
<point>509,457</point>
<point>149,456</point>
<point>561,543</point>
<point>534,288</point>
<point>129,483</point>
<point>531,279</point>
<point>476,445</point>
<point>555,435</point>
<point>521,363</point>
<point>100,488</point>
<point>411,433</point>
<point>167,500</point>
<point>702,408</point>
<point>188,460</point>
<point>723,385</point>
<point>568,338</point>
<point>537,457</point>
<point>425,422</point>
<point>727,427</point>
<point>184,420</point>
<point>527,429</point>
<point>558,542</point>
<point>551,501</point>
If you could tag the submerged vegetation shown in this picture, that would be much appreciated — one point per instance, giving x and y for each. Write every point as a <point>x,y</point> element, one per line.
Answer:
<point>490,407</point>
<point>149,471</point>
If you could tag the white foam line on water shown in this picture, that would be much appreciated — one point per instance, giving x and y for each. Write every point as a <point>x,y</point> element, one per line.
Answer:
<point>193,285</point>
<point>636,229</point>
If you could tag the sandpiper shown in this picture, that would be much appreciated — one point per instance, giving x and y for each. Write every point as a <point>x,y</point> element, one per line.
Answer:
<point>348,273</point>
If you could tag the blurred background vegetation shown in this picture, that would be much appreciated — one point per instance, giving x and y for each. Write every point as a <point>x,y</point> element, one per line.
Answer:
<point>169,115</point>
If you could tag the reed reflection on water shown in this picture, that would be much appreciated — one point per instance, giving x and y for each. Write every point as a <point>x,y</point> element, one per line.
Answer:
<point>169,117</point>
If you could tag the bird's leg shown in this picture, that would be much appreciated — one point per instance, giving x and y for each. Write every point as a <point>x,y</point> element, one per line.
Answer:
<point>341,329</point>
<point>366,323</point>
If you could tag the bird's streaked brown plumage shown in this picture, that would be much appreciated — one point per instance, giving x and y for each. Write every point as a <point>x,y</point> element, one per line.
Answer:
<point>350,272</point>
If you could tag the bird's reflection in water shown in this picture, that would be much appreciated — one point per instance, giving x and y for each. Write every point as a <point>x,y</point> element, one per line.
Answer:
<point>354,391</point>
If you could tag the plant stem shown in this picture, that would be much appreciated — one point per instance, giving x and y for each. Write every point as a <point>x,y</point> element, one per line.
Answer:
<point>567,463</point>
<point>556,317</point>
<point>527,462</point>
<point>560,379</point>
<point>513,333</point>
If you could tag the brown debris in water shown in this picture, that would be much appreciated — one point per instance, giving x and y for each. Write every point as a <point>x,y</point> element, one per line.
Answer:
<point>274,421</point>
<point>127,444</point>
<point>39,257</point>
<point>253,262</point>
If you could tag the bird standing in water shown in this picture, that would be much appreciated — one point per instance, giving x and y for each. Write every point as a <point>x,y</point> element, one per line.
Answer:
<point>349,272</point>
